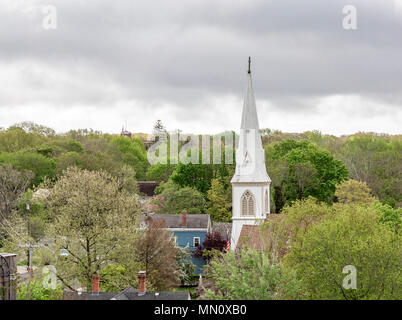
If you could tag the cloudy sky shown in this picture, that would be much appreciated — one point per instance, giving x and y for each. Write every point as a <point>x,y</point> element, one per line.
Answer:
<point>185,62</point>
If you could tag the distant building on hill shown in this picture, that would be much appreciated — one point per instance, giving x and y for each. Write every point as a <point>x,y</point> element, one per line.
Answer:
<point>124,132</point>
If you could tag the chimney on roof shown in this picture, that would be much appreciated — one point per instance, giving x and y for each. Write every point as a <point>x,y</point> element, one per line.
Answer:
<point>184,218</point>
<point>142,282</point>
<point>95,283</point>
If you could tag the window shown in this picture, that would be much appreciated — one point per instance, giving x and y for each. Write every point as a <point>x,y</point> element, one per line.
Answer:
<point>266,202</point>
<point>247,204</point>
<point>196,241</point>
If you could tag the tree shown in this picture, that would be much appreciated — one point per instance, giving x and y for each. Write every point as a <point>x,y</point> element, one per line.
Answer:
<point>36,289</point>
<point>116,277</point>
<point>160,172</point>
<point>41,166</point>
<point>16,139</point>
<point>13,184</point>
<point>352,191</point>
<point>352,236</point>
<point>248,275</point>
<point>94,223</point>
<point>31,127</point>
<point>173,199</point>
<point>159,129</point>
<point>199,176</point>
<point>283,232</point>
<point>156,252</point>
<point>132,152</point>
<point>389,216</point>
<point>310,171</point>
<point>212,242</point>
<point>378,162</point>
<point>218,205</point>
<point>187,268</point>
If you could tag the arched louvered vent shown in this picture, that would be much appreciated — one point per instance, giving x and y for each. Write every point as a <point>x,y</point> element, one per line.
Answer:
<point>247,204</point>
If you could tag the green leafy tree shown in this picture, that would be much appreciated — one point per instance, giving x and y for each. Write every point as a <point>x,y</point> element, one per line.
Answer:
<point>94,223</point>
<point>389,216</point>
<point>16,139</point>
<point>187,268</point>
<point>132,152</point>
<point>248,275</point>
<point>41,166</point>
<point>31,127</point>
<point>352,236</point>
<point>197,176</point>
<point>37,290</point>
<point>160,172</point>
<point>310,171</point>
<point>352,191</point>
<point>173,199</point>
<point>13,184</point>
<point>378,162</point>
<point>116,277</point>
<point>218,203</point>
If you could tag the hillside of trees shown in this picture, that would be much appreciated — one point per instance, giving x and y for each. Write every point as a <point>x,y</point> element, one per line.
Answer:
<point>61,192</point>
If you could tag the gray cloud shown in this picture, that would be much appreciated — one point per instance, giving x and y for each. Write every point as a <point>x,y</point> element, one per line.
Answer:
<point>179,59</point>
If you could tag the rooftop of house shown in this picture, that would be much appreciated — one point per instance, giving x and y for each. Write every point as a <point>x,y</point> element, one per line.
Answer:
<point>148,187</point>
<point>175,221</point>
<point>223,228</point>
<point>127,294</point>
<point>254,237</point>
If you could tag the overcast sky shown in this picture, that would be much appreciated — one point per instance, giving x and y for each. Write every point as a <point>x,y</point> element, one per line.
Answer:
<point>185,62</point>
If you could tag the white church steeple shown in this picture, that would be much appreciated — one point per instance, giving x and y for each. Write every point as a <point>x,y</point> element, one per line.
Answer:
<point>250,183</point>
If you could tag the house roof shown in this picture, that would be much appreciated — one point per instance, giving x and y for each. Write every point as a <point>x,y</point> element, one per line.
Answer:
<point>127,294</point>
<point>223,228</point>
<point>249,236</point>
<point>147,187</point>
<point>173,221</point>
<point>254,237</point>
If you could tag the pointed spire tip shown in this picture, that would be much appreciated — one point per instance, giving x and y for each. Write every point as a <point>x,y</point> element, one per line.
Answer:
<point>249,64</point>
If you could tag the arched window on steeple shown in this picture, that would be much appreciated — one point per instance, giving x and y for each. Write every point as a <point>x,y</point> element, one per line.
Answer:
<point>266,202</point>
<point>247,204</point>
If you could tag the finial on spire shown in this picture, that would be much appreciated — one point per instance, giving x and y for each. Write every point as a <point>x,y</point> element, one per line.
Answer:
<point>249,65</point>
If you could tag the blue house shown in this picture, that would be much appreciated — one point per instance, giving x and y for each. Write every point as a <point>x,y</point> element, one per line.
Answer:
<point>188,230</point>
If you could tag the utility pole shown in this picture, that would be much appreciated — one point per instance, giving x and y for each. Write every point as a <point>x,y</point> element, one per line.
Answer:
<point>30,268</point>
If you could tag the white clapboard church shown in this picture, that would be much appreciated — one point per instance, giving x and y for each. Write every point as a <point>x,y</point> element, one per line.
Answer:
<point>250,183</point>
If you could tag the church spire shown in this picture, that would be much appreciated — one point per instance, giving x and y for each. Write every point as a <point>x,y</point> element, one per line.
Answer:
<point>250,156</point>
<point>250,182</point>
<point>249,116</point>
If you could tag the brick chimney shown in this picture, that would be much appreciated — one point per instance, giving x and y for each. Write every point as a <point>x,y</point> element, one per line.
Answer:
<point>95,283</point>
<point>184,218</point>
<point>142,282</point>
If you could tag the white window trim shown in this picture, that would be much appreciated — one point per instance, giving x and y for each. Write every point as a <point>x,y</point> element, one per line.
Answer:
<point>199,241</point>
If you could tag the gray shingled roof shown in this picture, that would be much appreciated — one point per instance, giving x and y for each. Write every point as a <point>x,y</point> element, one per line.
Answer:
<point>127,294</point>
<point>223,228</point>
<point>175,220</point>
